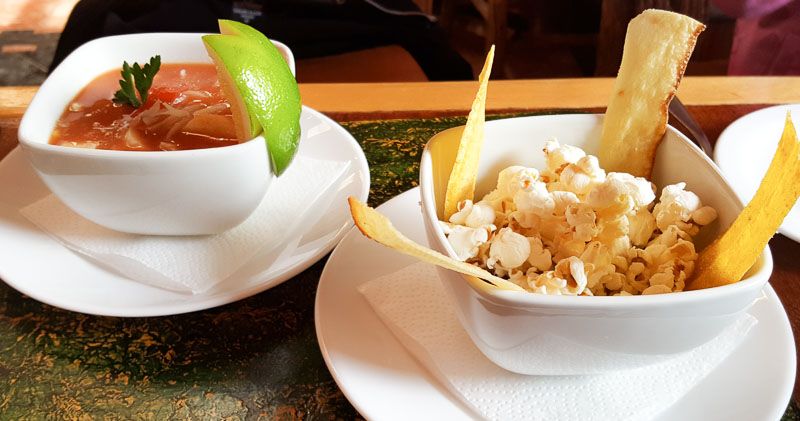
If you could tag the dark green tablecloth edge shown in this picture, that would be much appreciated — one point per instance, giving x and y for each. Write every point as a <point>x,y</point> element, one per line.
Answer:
<point>254,359</point>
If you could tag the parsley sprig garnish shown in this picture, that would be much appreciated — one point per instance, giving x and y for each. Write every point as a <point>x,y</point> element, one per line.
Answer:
<point>140,77</point>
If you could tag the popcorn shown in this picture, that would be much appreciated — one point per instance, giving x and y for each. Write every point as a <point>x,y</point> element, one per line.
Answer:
<point>670,236</point>
<point>568,278</point>
<point>620,262</point>
<point>615,282</point>
<point>539,257</point>
<point>512,179</point>
<point>599,269</point>
<point>465,241</point>
<point>663,279</point>
<point>656,289</point>
<point>580,177</point>
<point>611,230</point>
<point>704,215</point>
<point>476,215</point>
<point>562,199</point>
<point>581,218</point>
<point>638,188</point>
<point>572,229</point>
<point>509,249</point>
<point>675,207</point>
<point>566,246</point>
<point>609,199</point>
<point>534,198</point>
<point>558,155</point>
<point>619,245</point>
<point>641,226</point>
<point>571,270</point>
<point>547,283</point>
<point>518,277</point>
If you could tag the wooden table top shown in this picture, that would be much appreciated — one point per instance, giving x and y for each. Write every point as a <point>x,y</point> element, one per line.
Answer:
<point>714,101</point>
<point>504,95</point>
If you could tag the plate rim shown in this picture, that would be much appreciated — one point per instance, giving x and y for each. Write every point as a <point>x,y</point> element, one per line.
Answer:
<point>197,302</point>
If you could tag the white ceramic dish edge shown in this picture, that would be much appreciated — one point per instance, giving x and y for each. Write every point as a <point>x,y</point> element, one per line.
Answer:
<point>197,302</point>
<point>384,382</point>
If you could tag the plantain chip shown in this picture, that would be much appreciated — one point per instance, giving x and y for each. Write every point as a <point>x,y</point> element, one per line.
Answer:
<point>463,176</point>
<point>657,48</point>
<point>374,225</point>
<point>730,256</point>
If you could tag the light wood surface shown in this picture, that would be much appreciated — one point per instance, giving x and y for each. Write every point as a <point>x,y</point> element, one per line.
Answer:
<point>504,95</point>
<point>536,94</point>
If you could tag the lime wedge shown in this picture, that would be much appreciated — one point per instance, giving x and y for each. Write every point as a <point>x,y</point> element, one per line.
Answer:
<point>239,97</point>
<point>232,27</point>
<point>261,88</point>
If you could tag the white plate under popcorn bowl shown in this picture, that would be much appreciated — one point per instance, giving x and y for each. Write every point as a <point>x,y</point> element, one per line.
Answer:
<point>538,334</point>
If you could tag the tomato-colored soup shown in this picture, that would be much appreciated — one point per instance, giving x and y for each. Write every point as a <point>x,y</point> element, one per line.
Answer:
<point>185,109</point>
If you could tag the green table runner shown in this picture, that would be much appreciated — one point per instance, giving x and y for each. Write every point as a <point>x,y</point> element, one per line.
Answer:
<point>254,359</point>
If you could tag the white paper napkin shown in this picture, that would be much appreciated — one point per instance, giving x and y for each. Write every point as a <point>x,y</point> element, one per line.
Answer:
<point>414,305</point>
<point>193,264</point>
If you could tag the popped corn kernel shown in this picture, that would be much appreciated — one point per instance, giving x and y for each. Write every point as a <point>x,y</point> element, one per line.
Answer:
<point>620,262</point>
<point>663,278</point>
<point>465,241</point>
<point>580,177</point>
<point>572,271</point>
<point>675,207</point>
<point>518,277</point>
<point>558,155</point>
<point>534,199</point>
<point>513,178</point>
<point>704,215</point>
<point>562,199</point>
<point>615,282</point>
<point>638,188</point>
<point>509,249</point>
<point>574,180</point>
<point>540,257</point>
<point>656,289</point>
<point>567,246</point>
<point>581,219</point>
<point>547,283</point>
<point>641,226</point>
<point>473,215</point>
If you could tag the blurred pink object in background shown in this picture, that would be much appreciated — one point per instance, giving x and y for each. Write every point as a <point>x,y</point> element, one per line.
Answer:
<point>767,37</point>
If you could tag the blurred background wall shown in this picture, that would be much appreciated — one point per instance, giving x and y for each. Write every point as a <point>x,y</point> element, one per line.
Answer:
<point>534,38</point>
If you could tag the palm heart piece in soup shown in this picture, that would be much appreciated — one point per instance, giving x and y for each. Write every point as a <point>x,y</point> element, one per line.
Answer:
<point>184,110</point>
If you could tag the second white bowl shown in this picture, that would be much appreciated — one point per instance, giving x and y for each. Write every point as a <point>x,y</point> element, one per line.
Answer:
<point>539,334</point>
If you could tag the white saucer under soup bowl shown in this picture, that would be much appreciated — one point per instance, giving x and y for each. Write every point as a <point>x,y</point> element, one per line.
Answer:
<point>541,334</point>
<point>186,192</point>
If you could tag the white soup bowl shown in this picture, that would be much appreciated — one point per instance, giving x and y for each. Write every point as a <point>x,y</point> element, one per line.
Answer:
<point>188,192</point>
